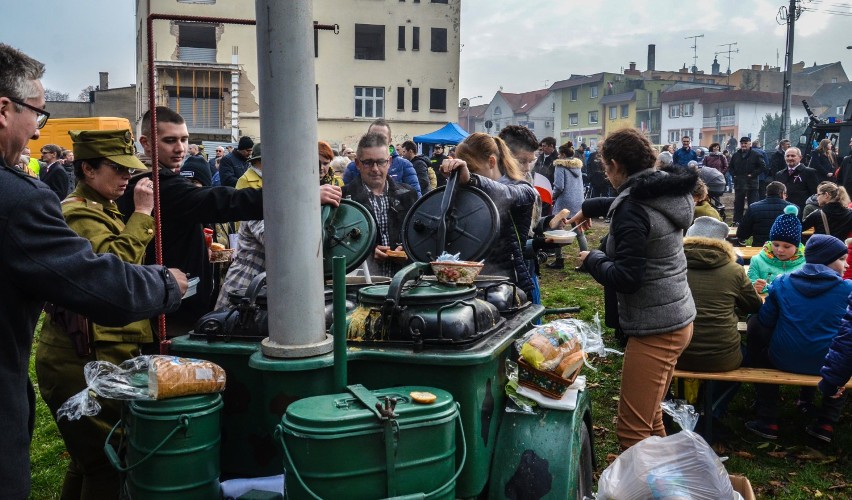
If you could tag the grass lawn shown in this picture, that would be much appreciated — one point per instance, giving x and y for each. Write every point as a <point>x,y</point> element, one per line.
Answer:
<point>795,467</point>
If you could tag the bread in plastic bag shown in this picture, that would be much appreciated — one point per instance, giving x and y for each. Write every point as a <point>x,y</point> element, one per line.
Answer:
<point>142,378</point>
<point>677,467</point>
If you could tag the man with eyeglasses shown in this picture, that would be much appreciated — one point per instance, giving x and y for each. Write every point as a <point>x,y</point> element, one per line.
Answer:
<point>214,162</point>
<point>42,260</point>
<point>401,170</point>
<point>801,181</point>
<point>54,174</point>
<point>388,200</point>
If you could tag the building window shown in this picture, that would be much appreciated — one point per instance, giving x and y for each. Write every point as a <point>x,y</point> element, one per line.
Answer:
<point>401,45</point>
<point>199,109</point>
<point>497,111</point>
<point>625,110</point>
<point>207,2</point>
<point>593,116</point>
<point>415,99</point>
<point>574,119</point>
<point>196,42</point>
<point>834,80</point>
<point>573,94</point>
<point>438,100</point>
<point>674,111</point>
<point>439,39</point>
<point>841,110</point>
<point>370,42</point>
<point>400,98</point>
<point>593,92</point>
<point>415,38</point>
<point>613,112</point>
<point>688,109</point>
<point>369,102</point>
<point>439,1</point>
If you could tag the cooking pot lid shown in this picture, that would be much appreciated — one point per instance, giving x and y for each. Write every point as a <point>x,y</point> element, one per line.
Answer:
<point>348,230</point>
<point>463,219</point>
<point>419,292</point>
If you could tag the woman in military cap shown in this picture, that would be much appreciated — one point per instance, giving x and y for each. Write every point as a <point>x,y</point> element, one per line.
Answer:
<point>103,165</point>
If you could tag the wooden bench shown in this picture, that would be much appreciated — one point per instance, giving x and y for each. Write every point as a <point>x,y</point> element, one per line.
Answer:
<point>742,374</point>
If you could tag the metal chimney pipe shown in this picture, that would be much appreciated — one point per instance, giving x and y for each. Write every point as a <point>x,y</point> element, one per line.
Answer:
<point>291,208</point>
<point>652,57</point>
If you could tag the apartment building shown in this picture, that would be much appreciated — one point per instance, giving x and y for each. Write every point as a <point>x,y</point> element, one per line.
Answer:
<point>533,110</point>
<point>391,59</point>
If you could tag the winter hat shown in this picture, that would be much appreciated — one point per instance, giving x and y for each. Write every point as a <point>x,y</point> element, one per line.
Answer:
<point>824,249</point>
<point>787,227</point>
<point>196,168</point>
<point>708,227</point>
<point>665,158</point>
<point>245,143</point>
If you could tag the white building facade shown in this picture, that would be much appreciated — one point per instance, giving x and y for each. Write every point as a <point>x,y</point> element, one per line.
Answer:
<point>388,59</point>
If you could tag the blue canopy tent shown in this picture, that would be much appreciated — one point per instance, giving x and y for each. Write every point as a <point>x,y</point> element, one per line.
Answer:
<point>450,133</point>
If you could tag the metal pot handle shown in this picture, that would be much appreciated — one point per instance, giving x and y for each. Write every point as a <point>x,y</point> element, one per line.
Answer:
<point>279,434</point>
<point>255,287</point>
<point>112,455</point>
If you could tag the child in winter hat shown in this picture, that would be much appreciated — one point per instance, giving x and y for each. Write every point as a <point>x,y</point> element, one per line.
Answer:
<point>783,253</point>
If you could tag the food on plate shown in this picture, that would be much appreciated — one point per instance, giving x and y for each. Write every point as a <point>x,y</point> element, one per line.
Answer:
<point>397,254</point>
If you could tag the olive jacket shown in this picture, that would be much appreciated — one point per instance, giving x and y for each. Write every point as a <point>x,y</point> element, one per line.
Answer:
<point>720,289</point>
<point>41,259</point>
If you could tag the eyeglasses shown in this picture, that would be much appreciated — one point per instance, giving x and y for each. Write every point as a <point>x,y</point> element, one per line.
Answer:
<point>374,163</point>
<point>119,169</point>
<point>41,115</point>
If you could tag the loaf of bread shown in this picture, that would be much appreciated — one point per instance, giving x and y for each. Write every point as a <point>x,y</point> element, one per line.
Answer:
<point>540,352</point>
<point>397,254</point>
<point>172,376</point>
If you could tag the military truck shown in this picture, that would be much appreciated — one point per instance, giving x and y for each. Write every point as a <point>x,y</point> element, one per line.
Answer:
<point>818,129</point>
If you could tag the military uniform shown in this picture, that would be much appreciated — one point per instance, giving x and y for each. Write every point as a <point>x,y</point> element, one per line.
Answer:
<point>60,358</point>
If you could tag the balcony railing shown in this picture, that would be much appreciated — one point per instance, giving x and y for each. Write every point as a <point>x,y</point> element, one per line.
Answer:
<point>724,121</point>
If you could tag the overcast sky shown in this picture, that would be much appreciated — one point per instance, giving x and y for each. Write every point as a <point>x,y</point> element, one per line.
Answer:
<point>519,45</point>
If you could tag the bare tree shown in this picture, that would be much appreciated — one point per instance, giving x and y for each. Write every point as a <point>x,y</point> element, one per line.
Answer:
<point>84,94</point>
<point>55,95</point>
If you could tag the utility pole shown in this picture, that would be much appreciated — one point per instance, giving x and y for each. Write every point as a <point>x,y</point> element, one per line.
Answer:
<point>694,48</point>
<point>791,15</point>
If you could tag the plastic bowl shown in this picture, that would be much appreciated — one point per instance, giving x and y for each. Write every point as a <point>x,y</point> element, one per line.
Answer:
<point>561,236</point>
<point>456,273</point>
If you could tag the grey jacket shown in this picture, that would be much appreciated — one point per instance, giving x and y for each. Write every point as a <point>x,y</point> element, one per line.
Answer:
<point>644,263</point>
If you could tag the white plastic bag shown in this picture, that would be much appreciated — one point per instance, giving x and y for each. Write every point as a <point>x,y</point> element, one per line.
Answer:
<point>142,378</point>
<point>677,467</point>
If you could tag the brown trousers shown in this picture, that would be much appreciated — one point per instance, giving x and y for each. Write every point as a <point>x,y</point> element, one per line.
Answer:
<point>646,374</point>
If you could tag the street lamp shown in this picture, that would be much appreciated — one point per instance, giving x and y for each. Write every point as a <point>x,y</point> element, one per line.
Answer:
<point>466,103</point>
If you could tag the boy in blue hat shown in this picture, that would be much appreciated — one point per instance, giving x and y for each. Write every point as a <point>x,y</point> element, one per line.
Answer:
<point>795,326</point>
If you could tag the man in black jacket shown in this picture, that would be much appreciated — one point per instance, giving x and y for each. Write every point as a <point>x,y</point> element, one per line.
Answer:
<point>53,173</point>
<point>42,260</point>
<point>746,166</point>
<point>845,176</point>
<point>235,163</point>
<point>759,217</point>
<point>801,182</point>
<point>420,164</point>
<point>435,162</point>
<point>387,201</point>
<point>184,207</point>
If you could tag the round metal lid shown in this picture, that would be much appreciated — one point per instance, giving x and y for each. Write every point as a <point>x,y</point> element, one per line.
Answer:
<point>464,219</point>
<point>422,293</point>
<point>348,230</point>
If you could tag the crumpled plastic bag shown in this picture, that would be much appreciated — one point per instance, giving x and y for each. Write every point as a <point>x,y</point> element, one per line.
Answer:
<point>677,467</point>
<point>142,378</point>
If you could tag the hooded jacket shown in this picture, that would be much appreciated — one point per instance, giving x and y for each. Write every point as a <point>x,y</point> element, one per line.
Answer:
<point>804,309</point>
<point>837,367</point>
<point>719,288</point>
<point>766,266</point>
<point>568,185</point>
<point>644,266</point>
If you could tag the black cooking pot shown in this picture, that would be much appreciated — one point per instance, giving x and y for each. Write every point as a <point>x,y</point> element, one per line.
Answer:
<point>353,284</point>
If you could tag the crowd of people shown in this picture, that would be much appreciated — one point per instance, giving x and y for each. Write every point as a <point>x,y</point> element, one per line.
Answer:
<point>85,257</point>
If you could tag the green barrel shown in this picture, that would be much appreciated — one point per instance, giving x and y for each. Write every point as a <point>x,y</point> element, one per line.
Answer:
<point>173,448</point>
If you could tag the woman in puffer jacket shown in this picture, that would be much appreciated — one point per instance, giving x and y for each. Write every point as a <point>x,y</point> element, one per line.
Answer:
<point>643,270</point>
<point>568,192</point>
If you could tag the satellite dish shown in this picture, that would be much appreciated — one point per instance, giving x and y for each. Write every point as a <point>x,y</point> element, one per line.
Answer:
<point>464,103</point>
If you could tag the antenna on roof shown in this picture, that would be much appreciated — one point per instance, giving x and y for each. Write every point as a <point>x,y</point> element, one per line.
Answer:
<point>729,52</point>
<point>694,48</point>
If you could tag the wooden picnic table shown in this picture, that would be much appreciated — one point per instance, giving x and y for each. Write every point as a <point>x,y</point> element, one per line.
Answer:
<point>747,252</point>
